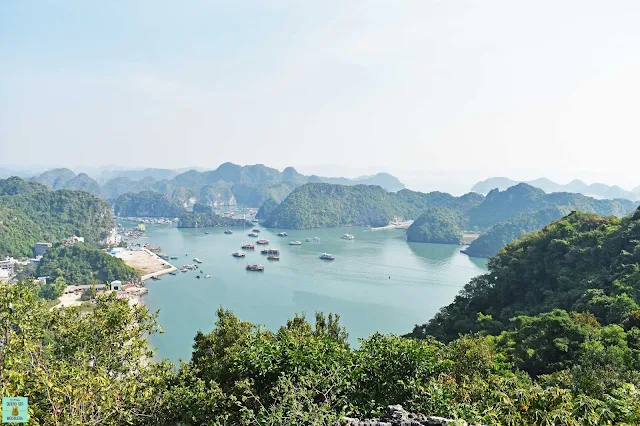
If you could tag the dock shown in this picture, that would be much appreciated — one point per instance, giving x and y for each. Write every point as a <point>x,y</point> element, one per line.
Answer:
<point>146,262</point>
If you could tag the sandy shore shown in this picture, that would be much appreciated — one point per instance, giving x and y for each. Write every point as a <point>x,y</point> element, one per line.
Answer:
<point>149,264</point>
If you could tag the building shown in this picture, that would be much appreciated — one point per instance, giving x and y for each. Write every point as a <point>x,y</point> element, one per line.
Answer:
<point>116,285</point>
<point>72,240</point>
<point>40,249</point>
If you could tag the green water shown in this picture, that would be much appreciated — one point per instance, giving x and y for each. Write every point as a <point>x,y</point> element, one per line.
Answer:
<point>377,281</point>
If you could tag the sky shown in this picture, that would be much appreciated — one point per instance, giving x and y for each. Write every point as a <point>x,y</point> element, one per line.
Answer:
<point>432,91</point>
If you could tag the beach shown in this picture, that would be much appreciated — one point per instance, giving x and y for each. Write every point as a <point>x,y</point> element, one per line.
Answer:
<point>149,264</point>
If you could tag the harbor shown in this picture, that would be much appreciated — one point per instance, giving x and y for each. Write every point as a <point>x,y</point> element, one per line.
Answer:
<point>149,264</point>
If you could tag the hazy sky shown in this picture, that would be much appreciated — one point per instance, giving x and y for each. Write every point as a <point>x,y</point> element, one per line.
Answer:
<point>483,87</point>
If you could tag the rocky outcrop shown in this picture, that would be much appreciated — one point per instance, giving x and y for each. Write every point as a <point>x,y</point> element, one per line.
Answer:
<point>395,415</point>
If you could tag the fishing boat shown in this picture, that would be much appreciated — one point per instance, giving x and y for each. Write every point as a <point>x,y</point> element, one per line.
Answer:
<point>238,254</point>
<point>326,256</point>
<point>347,237</point>
<point>195,259</point>
<point>270,251</point>
<point>282,234</point>
<point>259,268</point>
<point>252,234</point>
<point>228,232</point>
<point>262,242</point>
<point>295,243</point>
<point>273,257</point>
<point>249,246</point>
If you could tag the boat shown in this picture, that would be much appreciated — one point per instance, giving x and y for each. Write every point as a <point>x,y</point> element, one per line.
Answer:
<point>198,276</point>
<point>316,238</point>
<point>249,246</point>
<point>259,268</point>
<point>347,237</point>
<point>228,232</point>
<point>295,243</point>
<point>238,254</point>
<point>270,251</point>
<point>201,271</point>
<point>208,276</point>
<point>195,259</point>
<point>326,256</point>
<point>183,270</point>
<point>282,234</point>
<point>256,230</point>
<point>206,232</point>
<point>273,257</point>
<point>173,273</point>
<point>309,239</point>
<point>262,242</point>
<point>155,278</point>
<point>252,234</point>
<point>173,257</point>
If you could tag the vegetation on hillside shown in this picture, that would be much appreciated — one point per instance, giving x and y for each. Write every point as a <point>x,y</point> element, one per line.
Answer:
<point>203,217</point>
<point>583,263</point>
<point>266,209</point>
<point>38,213</point>
<point>88,369</point>
<point>318,205</point>
<point>147,204</point>
<point>490,243</point>
<point>436,225</point>
<point>81,264</point>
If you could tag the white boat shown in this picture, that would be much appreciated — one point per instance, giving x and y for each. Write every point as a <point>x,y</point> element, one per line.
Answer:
<point>327,256</point>
<point>195,259</point>
<point>282,234</point>
<point>238,254</point>
<point>309,239</point>
<point>295,243</point>
<point>252,234</point>
<point>348,237</point>
<point>207,276</point>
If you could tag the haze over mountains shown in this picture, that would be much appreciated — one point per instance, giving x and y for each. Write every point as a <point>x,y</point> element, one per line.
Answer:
<point>598,190</point>
<point>228,184</point>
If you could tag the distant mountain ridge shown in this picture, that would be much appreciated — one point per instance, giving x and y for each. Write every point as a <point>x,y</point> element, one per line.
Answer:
<point>599,190</point>
<point>229,184</point>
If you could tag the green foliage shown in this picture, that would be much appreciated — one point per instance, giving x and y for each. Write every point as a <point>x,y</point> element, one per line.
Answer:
<point>582,263</point>
<point>267,208</point>
<point>35,213</point>
<point>83,264</point>
<point>436,225</point>
<point>490,243</point>
<point>147,204</point>
<point>206,218</point>
<point>317,205</point>
<point>52,289</point>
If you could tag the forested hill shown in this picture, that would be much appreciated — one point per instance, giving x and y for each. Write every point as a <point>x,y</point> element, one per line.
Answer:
<point>318,205</point>
<point>147,204</point>
<point>31,212</point>
<point>504,215</point>
<point>583,263</point>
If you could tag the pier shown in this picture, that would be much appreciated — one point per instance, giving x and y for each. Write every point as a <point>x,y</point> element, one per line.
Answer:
<point>149,264</point>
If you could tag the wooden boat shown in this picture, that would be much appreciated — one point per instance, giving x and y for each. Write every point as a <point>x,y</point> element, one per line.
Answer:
<point>249,247</point>
<point>262,242</point>
<point>273,257</point>
<point>270,251</point>
<point>238,254</point>
<point>258,268</point>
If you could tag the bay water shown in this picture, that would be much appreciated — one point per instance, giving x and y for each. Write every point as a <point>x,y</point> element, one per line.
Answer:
<point>377,282</point>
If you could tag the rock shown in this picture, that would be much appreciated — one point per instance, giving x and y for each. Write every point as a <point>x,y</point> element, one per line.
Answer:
<point>395,415</point>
